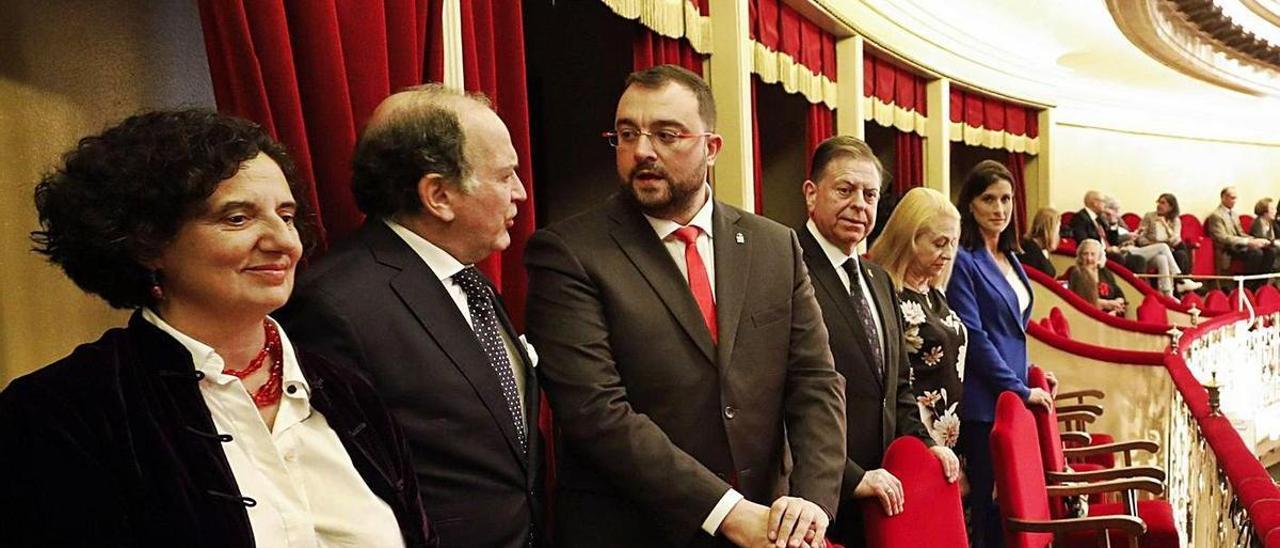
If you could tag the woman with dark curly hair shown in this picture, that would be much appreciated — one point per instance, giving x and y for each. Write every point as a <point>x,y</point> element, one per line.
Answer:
<point>198,424</point>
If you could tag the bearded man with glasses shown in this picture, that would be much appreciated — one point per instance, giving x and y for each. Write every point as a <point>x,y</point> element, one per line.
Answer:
<point>683,351</point>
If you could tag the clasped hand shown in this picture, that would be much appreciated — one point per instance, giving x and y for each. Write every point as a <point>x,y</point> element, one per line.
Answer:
<point>790,522</point>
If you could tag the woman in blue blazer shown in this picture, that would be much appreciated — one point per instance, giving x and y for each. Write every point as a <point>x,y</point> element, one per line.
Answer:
<point>990,292</point>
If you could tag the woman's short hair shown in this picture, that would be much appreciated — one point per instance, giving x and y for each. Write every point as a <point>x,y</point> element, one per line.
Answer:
<point>1174,210</point>
<point>1044,228</point>
<point>1262,206</point>
<point>1090,242</point>
<point>119,198</point>
<point>918,211</point>
<point>983,175</point>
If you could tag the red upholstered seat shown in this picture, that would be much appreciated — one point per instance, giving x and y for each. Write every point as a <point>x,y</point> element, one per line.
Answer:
<point>1131,220</point>
<point>1105,460</point>
<point>1157,514</point>
<point>1215,302</point>
<point>1267,297</point>
<point>1020,479</point>
<point>1059,321</point>
<point>933,514</point>
<point>1246,221</point>
<point>1193,299</point>
<point>1152,311</point>
<point>1233,299</point>
<point>1068,246</point>
<point>1201,247</point>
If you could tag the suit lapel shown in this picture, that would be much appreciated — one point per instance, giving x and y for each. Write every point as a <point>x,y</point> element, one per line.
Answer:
<point>991,271</point>
<point>636,239</point>
<point>426,298</point>
<point>732,246</point>
<point>821,269</point>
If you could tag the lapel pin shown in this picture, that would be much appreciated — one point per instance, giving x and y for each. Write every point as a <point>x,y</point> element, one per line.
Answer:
<point>740,238</point>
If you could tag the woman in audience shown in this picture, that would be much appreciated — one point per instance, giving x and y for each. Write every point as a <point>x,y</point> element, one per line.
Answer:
<point>1164,225</point>
<point>1040,240</point>
<point>198,424</point>
<point>1264,221</point>
<point>990,292</point>
<point>916,248</point>
<point>1093,282</point>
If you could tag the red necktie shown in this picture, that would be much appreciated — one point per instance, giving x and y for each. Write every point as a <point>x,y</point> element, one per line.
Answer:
<point>699,282</point>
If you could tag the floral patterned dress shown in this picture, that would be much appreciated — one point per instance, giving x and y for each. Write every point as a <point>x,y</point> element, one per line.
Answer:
<point>936,341</point>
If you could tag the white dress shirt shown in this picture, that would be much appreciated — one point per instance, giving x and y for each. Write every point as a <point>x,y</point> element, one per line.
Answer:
<point>666,230</point>
<point>1019,289</point>
<point>308,492</point>
<point>838,257</point>
<point>444,266</point>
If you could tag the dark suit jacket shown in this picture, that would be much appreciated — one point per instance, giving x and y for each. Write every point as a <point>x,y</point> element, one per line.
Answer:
<point>114,446</point>
<point>996,357</point>
<point>373,302</point>
<point>1033,256</point>
<point>1083,227</point>
<point>877,409</point>
<point>655,421</point>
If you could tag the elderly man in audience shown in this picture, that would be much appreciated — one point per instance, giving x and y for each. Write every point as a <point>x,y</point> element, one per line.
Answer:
<point>869,338</point>
<point>1230,241</point>
<point>1091,222</point>
<point>1093,282</point>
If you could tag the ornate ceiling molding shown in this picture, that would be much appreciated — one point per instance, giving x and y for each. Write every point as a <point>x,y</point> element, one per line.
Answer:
<point>1195,38</point>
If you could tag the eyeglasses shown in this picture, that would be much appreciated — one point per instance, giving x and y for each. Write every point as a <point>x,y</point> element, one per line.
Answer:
<point>668,139</point>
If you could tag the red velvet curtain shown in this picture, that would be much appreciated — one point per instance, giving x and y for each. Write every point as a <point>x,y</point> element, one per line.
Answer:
<point>908,162</point>
<point>651,49</point>
<point>779,27</point>
<point>310,73</point>
<point>493,64</point>
<point>1017,164</point>
<point>890,83</point>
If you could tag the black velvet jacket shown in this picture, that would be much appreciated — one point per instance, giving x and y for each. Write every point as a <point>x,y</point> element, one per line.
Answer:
<point>114,446</point>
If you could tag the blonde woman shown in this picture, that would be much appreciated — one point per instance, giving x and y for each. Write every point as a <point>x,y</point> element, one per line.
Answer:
<point>1040,240</point>
<point>1090,279</point>
<point>917,248</point>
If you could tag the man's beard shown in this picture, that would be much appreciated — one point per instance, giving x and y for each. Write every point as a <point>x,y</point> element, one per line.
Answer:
<point>663,205</point>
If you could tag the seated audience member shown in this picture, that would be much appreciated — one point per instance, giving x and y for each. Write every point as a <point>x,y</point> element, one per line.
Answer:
<point>1264,222</point>
<point>917,249</point>
<point>1230,241</point>
<point>1040,240</point>
<point>1090,223</point>
<point>1158,254</point>
<point>1092,281</point>
<point>1164,225</point>
<point>198,424</point>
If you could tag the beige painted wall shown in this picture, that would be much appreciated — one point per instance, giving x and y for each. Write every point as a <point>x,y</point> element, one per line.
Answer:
<point>68,69</point>
<point>1136,168</point>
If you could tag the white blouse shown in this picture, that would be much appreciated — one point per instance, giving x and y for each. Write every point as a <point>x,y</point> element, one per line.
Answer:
<point>1019,290</point>
<point>308,491</point>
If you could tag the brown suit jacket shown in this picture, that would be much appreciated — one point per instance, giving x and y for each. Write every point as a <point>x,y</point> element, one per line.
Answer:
<point>654,421</point>
<point>879,407</point>
<point>1226,234</point>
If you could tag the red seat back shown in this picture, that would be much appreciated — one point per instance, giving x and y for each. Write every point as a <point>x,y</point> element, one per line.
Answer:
<point>1215,302</point>
<point>1233,299</point>
<point>1059,322</point>
<point>933,514</point>
<point>1152,311</point>
<point>1019,470</point>
<point>1267,297</point>
<point>1131,220</point>
<point>1246,221</point>
<point>1066,218</point>
<point>1193,299</point>
<point>1191,227</point>
<point>1049,434</point>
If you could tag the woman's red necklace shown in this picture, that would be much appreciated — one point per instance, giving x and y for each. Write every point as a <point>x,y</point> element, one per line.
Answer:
<point>269,393</point>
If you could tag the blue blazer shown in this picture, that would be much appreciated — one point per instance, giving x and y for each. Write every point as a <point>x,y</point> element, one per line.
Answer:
<point>996,357</point>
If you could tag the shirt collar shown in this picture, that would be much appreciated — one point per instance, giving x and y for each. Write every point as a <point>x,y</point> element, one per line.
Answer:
<point>206,360</point>
<point>1092,216</point>
<point>702,219</point>
<point>441,263</point>
<point>1225,212</point>
<point>834,254</point>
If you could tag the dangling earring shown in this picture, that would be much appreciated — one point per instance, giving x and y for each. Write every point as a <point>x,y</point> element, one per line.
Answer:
<point>157,292</point>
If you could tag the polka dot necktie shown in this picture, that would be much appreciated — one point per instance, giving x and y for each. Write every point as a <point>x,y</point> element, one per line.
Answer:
<point>864,311</point>
<point>484,322</point>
